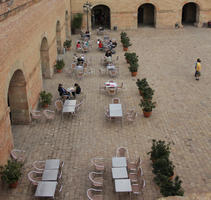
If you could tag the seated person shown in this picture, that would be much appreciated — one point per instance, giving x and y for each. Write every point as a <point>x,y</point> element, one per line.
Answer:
<point>114,44</point>
<point>87,34</point>
<point>78,45</point>
<point>62,91</point>
<point>77,89</point>
<point>108,53</point>
<point>100,45</point>
<point>80,61</point>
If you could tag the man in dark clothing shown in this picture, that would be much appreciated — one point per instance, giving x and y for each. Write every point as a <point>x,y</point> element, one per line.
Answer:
<point>108,53</point>
<point>62,91</point>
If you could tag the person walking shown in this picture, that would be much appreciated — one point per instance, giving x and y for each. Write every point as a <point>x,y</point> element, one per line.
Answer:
<point>198,69</point>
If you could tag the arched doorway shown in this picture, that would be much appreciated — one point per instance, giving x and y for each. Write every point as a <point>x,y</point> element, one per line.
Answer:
<point>58,37</point>
<point>17,99</point>
<point>67,26</point>
<point>146,15</point>
<point>100,16</point>
<point>190,14</point>
<point>44,55</point>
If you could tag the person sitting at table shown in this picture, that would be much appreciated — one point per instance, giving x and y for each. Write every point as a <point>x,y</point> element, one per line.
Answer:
<point>100,45</point>
<point>77,89</point>
<point>87,34</point>
<point>78,45</point>
<point>80,60</point>
<point>108,53</point>
<point>63,92</point>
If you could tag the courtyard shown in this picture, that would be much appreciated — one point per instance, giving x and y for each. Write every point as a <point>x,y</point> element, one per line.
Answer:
<point>182,116</point>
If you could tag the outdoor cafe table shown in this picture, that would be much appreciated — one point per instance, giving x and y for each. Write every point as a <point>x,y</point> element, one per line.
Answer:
<point>50,175</point>
<point>110,84</point>
<point>111,67</point>
<point>119,162</point>
<point>69,106</point>
<point>46,189</point>
<point>123,185</point>
<point>115,110</point>
<point>52,164</point>
<point>119,173</point>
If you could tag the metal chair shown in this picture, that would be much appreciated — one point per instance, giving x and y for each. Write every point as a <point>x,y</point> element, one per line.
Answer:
<point>96,178</point>
<point>138,187</point>
<point>39,165</point>
<point>133,166</point>
<point>18,155</point>
<point>36,115</point>
<point>49,114</point>
<point>134,177</point>
<point>93,194</point>
<point>115,100</point>
<point>98,163</point>
<point>58,105</point>
<point>34,177</point>
<point>122,152</point>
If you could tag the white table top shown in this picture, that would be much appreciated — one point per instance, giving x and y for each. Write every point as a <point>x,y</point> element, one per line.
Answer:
<point>79,67</point>
<point>123,185</point>
<point>119,162</point>
<point>71,89</point>
<point>115,110</point>
<point>70,103</point>
<point>110,84</point>
<point>52,164</point>
<point>110,67</point>
<point>118,173</point>
<point>68,109</point>
<point>50,175</point>
<point>46,189</point>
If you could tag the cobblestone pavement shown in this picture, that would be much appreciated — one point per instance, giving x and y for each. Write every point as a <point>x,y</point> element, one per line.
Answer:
<point>182,116</point>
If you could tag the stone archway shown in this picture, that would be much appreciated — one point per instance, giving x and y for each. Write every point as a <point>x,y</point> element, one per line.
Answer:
<point>190,14</point>
<point>17,99</point>
<point>146,15</point>
<point>67,25</point>
<point>44,55</point>
<point>58,37</point>
<point>101,16</point>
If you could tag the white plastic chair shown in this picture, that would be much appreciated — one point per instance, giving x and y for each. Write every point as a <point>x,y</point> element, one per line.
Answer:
<point>39,165</point>
<point>98,163</point>
<point>92,194</point>
<point>34,177</point>
<point>18,155</point>
<point>49,114</point>
<point>36,115</point>
<point>122,152</point>
<point>58,105</point>
<point>96,178</point>
<point>115,100</point>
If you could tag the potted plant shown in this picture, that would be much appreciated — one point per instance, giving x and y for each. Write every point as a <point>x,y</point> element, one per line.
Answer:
<point>67,44</point>
<point>45,98</point>
<point>126,43</point>
<point>147,106</point>
<point>142,84</point>
<point>123,35</point>
<point>127,56</point>
<point>59,65</point>
<point>159,150</point>
<point>76,23</point>
<point>147,93</point>
<point>163,166</point>
<point>133,68</point>
<point>171,188</point>
<point>11,173</point>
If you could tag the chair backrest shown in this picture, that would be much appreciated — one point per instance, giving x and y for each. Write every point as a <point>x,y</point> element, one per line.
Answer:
<point>36,114</point>
<point>58,105</point>
<point>111,91</point>
<point>143,185</point>
<point>115,100</point>
<point>98,163</point>
<point>31,177</point>
<point>90,193</point>
<point>140,172</point>
<point>122,152</point>
<point>138,162</point>
<point>49,114</point>
<point>36,164</point>
<point>17,154</point>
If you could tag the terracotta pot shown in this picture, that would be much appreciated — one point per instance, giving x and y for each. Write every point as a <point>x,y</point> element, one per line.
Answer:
<point>147,114</point>
<point>140,92</point>
<point>171,177</point>
<point>125,48</point>
<point>45,106</point>
<point>134,73</point>
<point>59,70</point>
<point>13,185</point>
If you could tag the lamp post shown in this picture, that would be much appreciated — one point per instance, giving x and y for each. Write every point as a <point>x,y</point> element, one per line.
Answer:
<point>87,7</point>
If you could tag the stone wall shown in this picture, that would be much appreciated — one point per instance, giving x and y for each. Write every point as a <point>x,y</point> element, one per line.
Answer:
<point>20,38</point>
<point>167,12</point>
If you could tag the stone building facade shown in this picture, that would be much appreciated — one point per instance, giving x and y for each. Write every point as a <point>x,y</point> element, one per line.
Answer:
<point>126,14</point>
<point>32,33</point>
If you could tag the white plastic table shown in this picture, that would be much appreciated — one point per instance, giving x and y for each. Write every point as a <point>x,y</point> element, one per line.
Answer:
<point>115,110</point>
<point>110,84</point>
<point>119,162</point>
<point>46,189</point>
<point>69,106</point>
<point>119,173</point>
<point>111,67</point>
<point>70,103</point>
<point>50,175</point>
<point>123,185</point>
<point>52,164</point>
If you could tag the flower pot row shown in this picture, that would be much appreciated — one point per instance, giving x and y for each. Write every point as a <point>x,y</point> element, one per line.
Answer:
<point>163,169</point>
